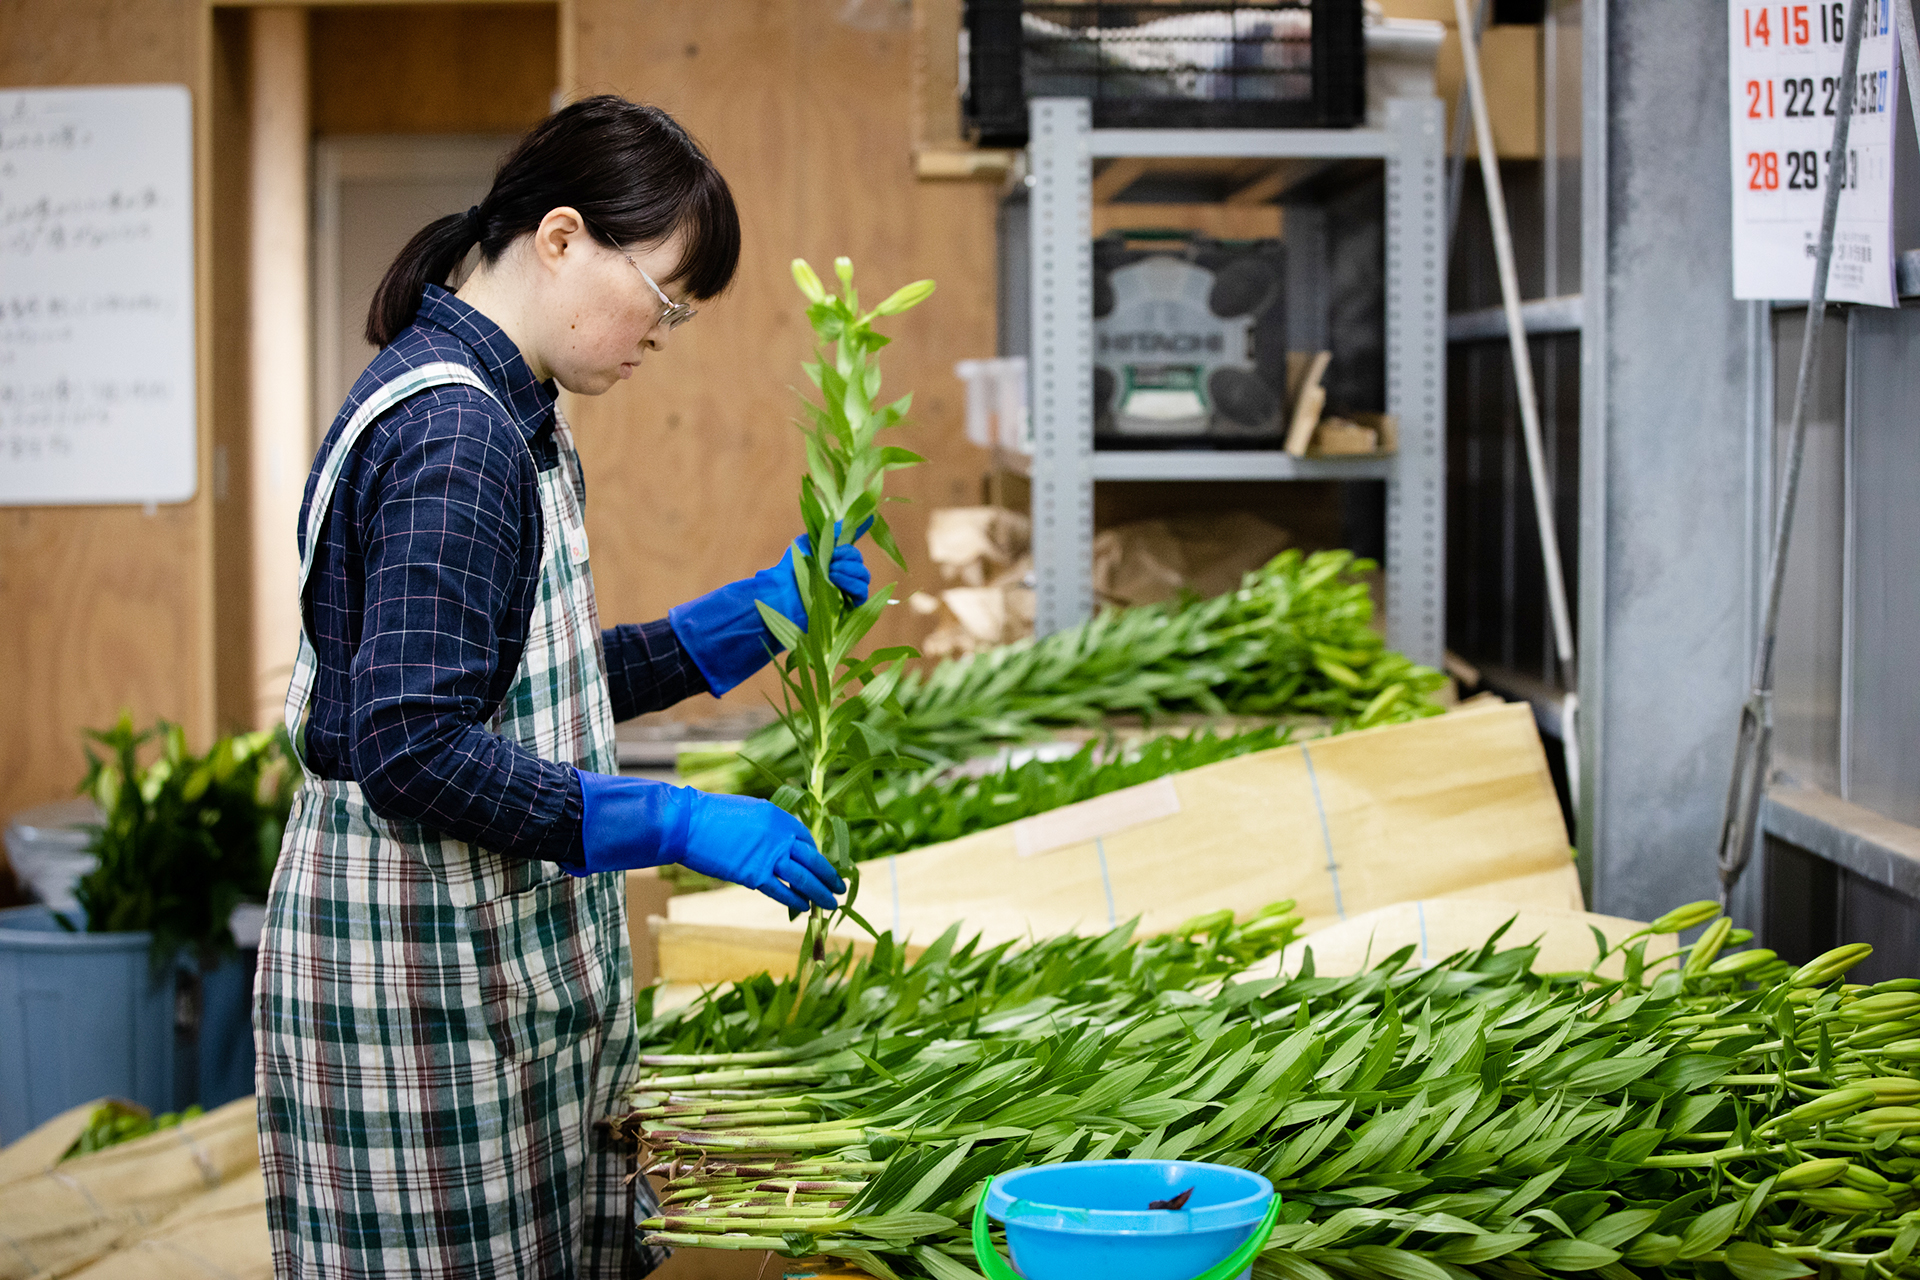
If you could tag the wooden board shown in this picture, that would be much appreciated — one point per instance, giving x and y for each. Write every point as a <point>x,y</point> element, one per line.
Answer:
<point>433,68</point>
<point>1456,806</point>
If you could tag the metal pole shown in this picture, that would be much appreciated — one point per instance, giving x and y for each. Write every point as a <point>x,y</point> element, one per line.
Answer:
<point>1457,141</point>
<point>1754,752</point>
<point>1562,616</point>
<point>1909,55</point>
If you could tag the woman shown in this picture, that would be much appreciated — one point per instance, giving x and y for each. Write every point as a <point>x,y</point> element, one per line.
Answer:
<point>445,1002</point>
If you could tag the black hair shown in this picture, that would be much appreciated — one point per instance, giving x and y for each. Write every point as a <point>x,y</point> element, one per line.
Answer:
<point>633,173</point>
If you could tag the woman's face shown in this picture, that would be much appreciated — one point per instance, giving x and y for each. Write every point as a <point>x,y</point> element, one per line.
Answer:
<point>601,317</point>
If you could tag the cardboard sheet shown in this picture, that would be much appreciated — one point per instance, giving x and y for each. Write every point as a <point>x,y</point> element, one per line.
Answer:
<point>1455,806</point>
<point>1439,927</point>
<point>90,1205</point>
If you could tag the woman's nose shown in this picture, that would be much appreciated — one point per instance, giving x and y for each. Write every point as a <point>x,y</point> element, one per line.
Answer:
<point>656,339</point>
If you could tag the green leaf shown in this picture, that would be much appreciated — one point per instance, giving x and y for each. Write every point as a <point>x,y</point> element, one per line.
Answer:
<point>882,534</point>
<point>870,1263</point>
<point>1653,1250</point>
<point>1709,1231</point>
<point>1571,1255</point>
<point>1615,1229</point>
<point>892,458</point>
<point>901,1226</point>
<point>1282,1265</point>
<point>931,1182</point>
<point>942,1267</point>
<point>1397,1264</point>
<point>1750,1261</point>
<point>1608,1076</point>
<point>1476,1249</point>
<point>788,635</point>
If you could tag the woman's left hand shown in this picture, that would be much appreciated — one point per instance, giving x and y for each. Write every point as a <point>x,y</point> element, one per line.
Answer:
<point>723,630</point>
<point>777,589</point>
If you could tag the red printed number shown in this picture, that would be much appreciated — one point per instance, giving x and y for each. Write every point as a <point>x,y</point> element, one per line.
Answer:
<point>1763,170</point>
<point>1757,28</point>
<point>1795,28</point>
<point>1756,90</point>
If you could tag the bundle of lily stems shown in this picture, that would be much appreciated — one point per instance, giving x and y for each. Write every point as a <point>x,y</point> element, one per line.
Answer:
<point>1706,1114</point>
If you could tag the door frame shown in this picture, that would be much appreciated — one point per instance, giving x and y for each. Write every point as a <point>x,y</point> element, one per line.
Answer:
<point>339,160</point>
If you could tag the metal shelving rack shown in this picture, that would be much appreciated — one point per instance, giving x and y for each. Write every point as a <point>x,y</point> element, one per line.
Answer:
<point>1062,148</point>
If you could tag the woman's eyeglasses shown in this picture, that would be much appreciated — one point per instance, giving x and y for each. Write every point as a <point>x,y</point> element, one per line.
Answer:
<point>675,313</point>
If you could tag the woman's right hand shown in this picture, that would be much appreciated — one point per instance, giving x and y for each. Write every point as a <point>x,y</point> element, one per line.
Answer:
<point>637,822</point>
<point>760,845</point>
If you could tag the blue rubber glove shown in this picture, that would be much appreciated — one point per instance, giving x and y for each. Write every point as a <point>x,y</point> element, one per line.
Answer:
<point>637,822</point>
<point>722,630</point>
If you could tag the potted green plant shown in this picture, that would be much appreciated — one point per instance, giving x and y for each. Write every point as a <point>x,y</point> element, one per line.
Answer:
<point>96,1000</point>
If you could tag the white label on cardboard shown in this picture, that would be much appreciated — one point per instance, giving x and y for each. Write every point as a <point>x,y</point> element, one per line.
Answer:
<point>1100,816</point>
<point>1784,86</point>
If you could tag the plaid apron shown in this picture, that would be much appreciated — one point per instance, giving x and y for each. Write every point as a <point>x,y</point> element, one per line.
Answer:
<point>439,1027</point>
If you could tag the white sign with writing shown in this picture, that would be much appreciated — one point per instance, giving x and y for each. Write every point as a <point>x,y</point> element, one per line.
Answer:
<point>1785,85</point>
<point>96,295</point>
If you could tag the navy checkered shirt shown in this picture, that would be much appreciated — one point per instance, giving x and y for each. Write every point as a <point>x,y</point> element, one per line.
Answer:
<point>421,594</point>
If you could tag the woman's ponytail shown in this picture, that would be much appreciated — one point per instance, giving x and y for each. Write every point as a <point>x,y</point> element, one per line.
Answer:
<point>630,170</point>
<point>429,258</point>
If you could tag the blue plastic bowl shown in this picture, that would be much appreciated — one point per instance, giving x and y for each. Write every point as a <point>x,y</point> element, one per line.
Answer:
<point>1090,1218</point>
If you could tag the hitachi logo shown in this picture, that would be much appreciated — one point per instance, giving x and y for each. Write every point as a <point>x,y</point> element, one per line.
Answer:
<point>1152,343</point>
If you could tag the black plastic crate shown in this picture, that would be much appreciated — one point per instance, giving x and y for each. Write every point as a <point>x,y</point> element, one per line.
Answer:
<point>1179,64</point>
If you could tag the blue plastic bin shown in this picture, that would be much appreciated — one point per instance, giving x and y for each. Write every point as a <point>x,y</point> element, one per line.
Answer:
<point>1090,1218</point>
<point>82,1016</point>
<point>222,1050</point>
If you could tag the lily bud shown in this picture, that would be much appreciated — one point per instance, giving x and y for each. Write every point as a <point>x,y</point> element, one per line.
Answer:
<point>910,295</point>
<point>1828,965</point>
<point>1207,923</point>
<point>1708,946</point>
<point>1740,962</point>
<point>1830,1106</point>
<point>1879,1120</point>
<point>1686,917</point>
<point>1892,1091</point>
<point>1811,1173</point>
<point>809,282</point>
<point>1886,1007</point>
<point>1844,1200</point>
<point>1861,1179</point>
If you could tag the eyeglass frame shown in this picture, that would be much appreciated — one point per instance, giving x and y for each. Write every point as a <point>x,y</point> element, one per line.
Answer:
<point>674,314</point>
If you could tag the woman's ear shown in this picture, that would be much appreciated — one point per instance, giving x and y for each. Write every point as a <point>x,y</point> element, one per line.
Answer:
<point>563,231</point>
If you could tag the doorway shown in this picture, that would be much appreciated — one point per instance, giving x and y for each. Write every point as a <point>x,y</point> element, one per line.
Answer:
<point>371,194</point>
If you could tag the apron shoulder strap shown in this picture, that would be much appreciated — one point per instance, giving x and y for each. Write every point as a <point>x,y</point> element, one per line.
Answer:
<point>403,386</point>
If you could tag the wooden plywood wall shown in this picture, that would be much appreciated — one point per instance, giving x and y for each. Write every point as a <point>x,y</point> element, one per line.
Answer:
<point>807,107</point>
<point>433,68</point>
<point>104,607</point>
